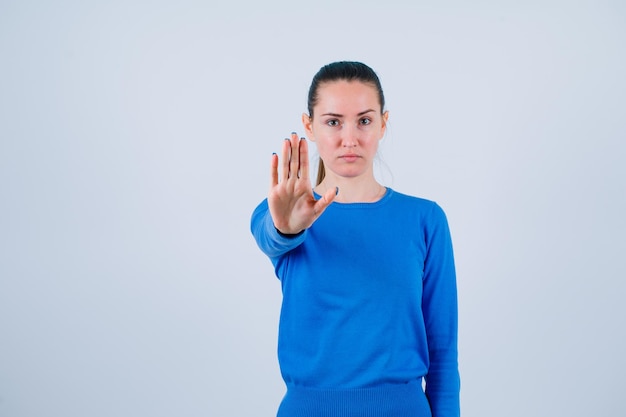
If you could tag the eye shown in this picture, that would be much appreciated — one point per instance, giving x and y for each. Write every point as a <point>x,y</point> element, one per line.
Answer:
<point>365,121</point>
<point>332,122</point>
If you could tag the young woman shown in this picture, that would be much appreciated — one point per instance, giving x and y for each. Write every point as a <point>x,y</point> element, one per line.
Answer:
<point>369,290</point>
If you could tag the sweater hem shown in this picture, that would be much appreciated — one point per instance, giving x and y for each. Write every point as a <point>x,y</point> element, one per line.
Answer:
<point>390,400</point>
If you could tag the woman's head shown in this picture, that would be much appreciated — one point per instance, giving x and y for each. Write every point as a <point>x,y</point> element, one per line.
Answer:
<point>346,108</point>
<point>344,71</point>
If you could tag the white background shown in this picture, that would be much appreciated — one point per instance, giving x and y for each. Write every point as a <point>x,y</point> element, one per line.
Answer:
<point>135,139</point>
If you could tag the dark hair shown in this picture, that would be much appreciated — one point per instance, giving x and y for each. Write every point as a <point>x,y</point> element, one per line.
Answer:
<point>338,71</point>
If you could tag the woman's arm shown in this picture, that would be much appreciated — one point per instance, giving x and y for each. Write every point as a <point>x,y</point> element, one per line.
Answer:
<point>439,305</point>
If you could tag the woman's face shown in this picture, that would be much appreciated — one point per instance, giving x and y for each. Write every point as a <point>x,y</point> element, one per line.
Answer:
<point>347,125</point>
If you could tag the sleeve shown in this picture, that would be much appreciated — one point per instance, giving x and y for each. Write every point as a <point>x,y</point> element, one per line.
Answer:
<point>440,309</point>
<point>273,243</point>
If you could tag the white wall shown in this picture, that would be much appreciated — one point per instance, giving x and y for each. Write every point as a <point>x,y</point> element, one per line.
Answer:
<point>135,139</point>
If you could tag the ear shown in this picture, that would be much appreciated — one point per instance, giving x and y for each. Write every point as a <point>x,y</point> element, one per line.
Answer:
<point>384,123</point>
<point>307,122</point>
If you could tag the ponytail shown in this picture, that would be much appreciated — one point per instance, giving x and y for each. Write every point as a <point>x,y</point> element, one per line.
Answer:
<point>321,172</point>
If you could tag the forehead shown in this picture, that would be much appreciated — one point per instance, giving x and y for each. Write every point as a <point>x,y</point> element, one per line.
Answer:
<point>347,95</point>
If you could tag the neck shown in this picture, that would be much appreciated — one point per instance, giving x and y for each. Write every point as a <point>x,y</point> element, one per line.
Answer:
<point>353,190</point>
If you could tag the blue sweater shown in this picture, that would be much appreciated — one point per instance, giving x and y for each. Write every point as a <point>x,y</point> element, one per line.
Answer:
<point>369,308</point>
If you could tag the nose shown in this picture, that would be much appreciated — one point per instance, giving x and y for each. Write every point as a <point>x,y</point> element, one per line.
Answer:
<point>349,136</point>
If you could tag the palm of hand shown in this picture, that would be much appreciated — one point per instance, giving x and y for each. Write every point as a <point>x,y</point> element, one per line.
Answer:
<point>291,202</point>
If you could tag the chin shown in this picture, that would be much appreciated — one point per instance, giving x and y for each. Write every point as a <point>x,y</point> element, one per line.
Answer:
<point>348,173</point>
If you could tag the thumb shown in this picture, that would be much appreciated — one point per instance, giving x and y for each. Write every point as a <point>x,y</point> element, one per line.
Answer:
<point>325,201</point>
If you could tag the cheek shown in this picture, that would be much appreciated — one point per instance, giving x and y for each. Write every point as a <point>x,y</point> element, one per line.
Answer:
<point>325,137</point>
<point>323,146</point>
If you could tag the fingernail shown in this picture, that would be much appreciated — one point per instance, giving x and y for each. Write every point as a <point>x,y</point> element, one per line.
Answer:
<point>273,153</point>
<point>302,138</point>
<point>294,133</point>
<point>336,190</point>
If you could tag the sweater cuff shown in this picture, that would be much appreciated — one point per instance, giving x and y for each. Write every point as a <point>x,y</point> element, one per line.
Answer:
<point>290,235</point>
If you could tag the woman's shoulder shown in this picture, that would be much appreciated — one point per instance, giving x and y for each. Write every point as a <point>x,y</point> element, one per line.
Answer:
<point>403,198</point>
<point>424,206</point>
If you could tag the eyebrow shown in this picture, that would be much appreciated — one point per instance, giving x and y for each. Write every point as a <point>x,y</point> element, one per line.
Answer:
<point>341,115</point>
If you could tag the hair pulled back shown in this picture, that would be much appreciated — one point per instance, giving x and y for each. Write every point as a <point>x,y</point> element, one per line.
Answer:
<point>342,71</point>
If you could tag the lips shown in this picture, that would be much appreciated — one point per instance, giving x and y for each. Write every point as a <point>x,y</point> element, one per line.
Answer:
<point>349,157</point>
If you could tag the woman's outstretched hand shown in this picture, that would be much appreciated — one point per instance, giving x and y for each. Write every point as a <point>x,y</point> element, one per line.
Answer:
<point>291,202</point>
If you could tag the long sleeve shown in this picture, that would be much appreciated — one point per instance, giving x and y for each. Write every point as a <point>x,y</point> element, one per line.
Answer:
<point>272,243</point>
<point>439,305</point>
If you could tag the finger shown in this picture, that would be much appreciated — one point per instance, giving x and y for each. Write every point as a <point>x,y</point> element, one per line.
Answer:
<point>294,163</point>
<point>285,162</point>
<point>325,201</point>
<point>304,159</point>
<point>274,171</point>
